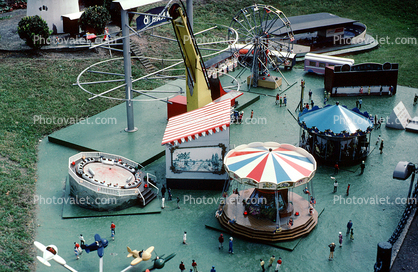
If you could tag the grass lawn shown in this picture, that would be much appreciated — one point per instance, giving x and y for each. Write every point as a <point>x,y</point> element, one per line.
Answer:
<point>33,87</point>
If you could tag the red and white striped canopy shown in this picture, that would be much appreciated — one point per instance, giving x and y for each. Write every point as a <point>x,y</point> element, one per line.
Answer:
<point>270,165</point>
<point>212,118</point>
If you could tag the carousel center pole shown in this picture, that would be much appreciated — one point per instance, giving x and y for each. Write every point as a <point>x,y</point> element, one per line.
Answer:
<point>277,208</point>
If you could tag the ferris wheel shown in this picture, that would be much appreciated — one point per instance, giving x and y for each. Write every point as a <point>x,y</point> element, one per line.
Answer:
<point>265,39</point>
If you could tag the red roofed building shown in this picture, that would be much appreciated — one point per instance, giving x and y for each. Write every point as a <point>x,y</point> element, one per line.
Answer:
<point>196,144</point>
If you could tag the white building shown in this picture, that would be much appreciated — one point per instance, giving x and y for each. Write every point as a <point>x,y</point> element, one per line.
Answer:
<point>52,10</point>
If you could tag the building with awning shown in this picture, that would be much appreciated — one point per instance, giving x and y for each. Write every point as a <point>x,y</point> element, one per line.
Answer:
<point>196,144</point>
<point>336,134</point>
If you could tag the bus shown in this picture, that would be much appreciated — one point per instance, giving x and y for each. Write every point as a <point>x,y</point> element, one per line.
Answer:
<point>316,63</point>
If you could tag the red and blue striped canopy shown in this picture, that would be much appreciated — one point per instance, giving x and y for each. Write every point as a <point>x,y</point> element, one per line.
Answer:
<point>270,165</point>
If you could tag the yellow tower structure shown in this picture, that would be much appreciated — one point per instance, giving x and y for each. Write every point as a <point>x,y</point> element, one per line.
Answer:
<point>198,88</point>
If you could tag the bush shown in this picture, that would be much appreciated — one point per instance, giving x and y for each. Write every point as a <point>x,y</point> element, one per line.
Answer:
<point>34,30</point>
<point>94,19</point>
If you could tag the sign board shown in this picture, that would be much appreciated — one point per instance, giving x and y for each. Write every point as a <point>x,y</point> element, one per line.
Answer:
<point>152,19</point>
<point>399,117</point>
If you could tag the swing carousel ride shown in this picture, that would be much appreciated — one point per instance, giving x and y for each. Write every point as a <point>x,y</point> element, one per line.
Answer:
<point>269,211</point>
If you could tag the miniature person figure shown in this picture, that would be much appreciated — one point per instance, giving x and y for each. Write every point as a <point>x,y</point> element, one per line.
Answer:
<point>331,251</point>
<point>277,230</point>
<point>231,250</point>
<point>311,210</point>
<point>162,203</point>
<point>381,147</point>
<point>82,241</point>
<point>290,222</point>
<point>381,90</point>
<point>76,252</point>
<point>194,265</point>
<point>271,261</point>
<point>184,238</point>
<point>236,114</point>
<point>340,239</point>
<point>112,230</point>
<point>252,114</point>
<point>369,90</point>
<point>285,100</point>
<point>415,99</point>
<point>277,98</point>
<point>312,201</point>
<point>390,90</point>
<point>279,263</point>
<point>352,235</point>
<point>181,266</point>
<point>349,226</point>
<point>325,100</point>
<point>221,241</point>
<point>213,269</point>
<point>280,101</point>
<point>306,191</point>
<point>381,120</point>
<point>336,168</point>
<point>357,103</point>
<point>262,265</point>
<point>335,185</point>
<point>163,191</point>
<point>241,115</point>
<point>312,104</point>
<point>378,140</point>
<point>106,37</point>
<point>361,90</point>
<point>170,196</point>
<point>362,166</point>
<point>57,41</point>
<point>310,94</point>
<point>348,189</point>
<point>178,201</point>
<point>360,101</point>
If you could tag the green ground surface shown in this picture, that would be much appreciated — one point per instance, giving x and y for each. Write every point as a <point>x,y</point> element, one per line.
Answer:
<point>33,85</point>
<point>373,222</point>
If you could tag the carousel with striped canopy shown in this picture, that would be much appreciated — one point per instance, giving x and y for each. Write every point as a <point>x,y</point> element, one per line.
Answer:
<point>269,210</point>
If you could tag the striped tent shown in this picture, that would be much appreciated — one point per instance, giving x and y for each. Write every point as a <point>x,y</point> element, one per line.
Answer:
<point>270,165</point>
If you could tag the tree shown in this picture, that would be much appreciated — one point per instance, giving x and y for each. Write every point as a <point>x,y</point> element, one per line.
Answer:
<point>94,19</point>
<point>34,30</point>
